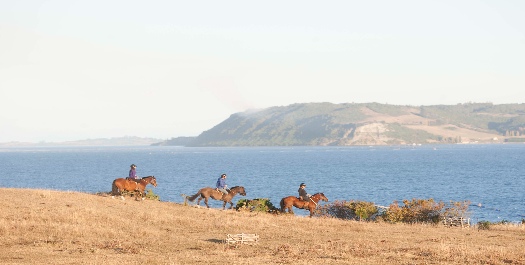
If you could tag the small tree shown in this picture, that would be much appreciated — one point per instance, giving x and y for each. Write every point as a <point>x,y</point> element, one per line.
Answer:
<point>457,209</point>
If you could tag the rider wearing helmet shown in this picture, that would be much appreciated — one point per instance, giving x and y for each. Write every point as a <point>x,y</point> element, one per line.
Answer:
<point>133,173</point>
<point>303,195</point>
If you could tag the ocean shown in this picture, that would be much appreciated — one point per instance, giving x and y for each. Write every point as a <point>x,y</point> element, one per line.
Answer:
<point>491,177</point>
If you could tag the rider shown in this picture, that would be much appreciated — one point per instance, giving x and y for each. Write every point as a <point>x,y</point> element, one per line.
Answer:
<point>221,184</point>
<point>303,195</point>
<point>133,173</point>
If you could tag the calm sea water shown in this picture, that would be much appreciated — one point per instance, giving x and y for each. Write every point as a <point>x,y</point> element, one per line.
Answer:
<point>491,177</point>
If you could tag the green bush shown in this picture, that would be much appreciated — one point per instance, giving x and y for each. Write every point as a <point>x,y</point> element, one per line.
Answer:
<point>255,205</point>
<point>150,195</point>
<point>484,225</point>
<point>349,210</point>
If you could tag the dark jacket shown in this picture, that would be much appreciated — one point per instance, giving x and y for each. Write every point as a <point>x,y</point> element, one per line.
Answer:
<point>303,194</point>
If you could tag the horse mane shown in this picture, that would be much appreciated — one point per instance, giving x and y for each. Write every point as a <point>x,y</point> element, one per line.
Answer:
<point>234,187</point>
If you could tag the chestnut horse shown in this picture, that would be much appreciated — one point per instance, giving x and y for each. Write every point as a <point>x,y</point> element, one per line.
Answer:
<point>288,202</point>
<point>124,184</point>
<point>208,192</point>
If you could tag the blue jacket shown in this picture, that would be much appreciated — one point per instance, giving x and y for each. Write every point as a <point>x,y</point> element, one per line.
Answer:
<point>221,183</point>
<point>132,173</point>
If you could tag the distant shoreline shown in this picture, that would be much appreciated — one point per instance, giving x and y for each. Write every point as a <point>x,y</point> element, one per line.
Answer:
<point>78,144</point>
<point>116,141</point>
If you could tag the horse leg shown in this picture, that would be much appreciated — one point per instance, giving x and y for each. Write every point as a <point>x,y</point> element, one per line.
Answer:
<point>120,194</point>
<point>142,194</point>
<point>115,192</point>
<point>224,204</point>
<point>199,201</point>
<point>290,209</point>
<point>119,190</point>
<point>206,202</point>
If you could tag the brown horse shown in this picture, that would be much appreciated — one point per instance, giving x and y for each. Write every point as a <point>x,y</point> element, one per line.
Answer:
<point>124,184</point>
<point>288,202</point>
<point>208,192</point>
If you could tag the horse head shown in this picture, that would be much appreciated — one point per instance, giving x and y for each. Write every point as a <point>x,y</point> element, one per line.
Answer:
<point>320,196</point>
<point>239,189</point>
<point>151,179</point>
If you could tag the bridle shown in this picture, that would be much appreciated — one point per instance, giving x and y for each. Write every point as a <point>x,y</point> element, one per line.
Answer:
<point>319,195</point>
<point>313,201</point>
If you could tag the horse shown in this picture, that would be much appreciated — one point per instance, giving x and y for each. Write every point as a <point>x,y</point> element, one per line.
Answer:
<point>288,202</point>
<point>208,192</point>
<point>124,184</point>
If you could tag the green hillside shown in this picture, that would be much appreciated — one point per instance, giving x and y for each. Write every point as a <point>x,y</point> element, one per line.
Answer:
<point>367,124</point>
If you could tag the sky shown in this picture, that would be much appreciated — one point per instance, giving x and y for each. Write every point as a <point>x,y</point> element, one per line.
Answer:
<point>74,70</point>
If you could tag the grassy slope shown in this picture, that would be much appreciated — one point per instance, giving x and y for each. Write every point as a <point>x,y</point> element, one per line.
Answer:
<point>52,227</point>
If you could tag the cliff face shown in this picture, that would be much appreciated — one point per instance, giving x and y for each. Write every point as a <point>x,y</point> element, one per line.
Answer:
<point>367,124</point>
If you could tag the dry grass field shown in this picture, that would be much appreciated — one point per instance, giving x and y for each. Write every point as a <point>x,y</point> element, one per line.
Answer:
<point>54,227</point>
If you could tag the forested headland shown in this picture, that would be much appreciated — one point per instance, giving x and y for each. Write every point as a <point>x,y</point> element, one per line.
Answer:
<point>327,124</point>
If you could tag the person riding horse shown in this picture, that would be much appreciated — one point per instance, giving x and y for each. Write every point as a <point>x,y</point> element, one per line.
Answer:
<point>303,195</point>
<point>133,174</point>
<point>221,184</point>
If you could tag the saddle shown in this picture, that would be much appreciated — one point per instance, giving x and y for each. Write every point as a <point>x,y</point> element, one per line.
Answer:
<point>305,203</point>
<point>222,194</point>
<point>134,180</point>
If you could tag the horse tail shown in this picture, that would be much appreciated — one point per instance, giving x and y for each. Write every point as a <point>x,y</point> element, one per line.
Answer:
<point>282,205</point>
<point>114,189</point>
<point>193,197</point>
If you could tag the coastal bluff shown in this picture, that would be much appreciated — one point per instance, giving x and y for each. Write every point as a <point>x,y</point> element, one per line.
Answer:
<point>64,227</point>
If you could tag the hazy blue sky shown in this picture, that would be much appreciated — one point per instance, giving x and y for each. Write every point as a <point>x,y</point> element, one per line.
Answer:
<point>74,70</point>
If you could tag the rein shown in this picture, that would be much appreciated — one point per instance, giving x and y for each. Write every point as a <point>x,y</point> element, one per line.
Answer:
<point>313,201</point>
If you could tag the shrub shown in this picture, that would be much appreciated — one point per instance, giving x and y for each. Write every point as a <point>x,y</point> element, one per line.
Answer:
<point>503,222</point>
<point>457,209</point>
<point>150,195</point>
<point>484,225</point>
<point>415,211</point>
<point>255,205</point>
<point>394,213</point>
<point>350,210</point>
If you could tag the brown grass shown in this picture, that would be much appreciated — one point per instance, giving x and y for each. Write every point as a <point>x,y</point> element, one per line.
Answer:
<point>53,227</point>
